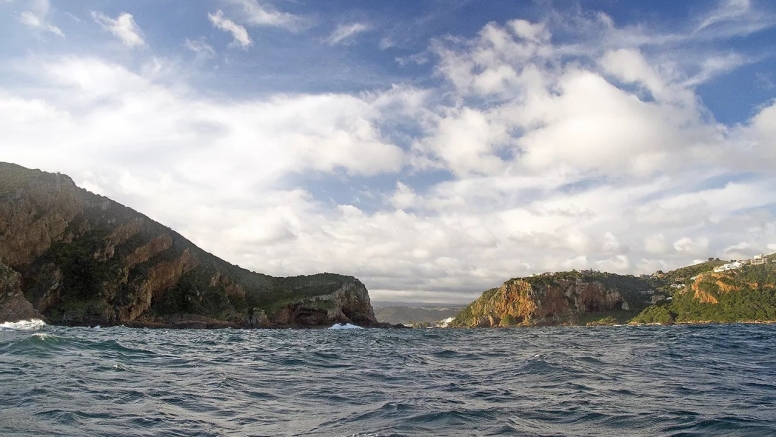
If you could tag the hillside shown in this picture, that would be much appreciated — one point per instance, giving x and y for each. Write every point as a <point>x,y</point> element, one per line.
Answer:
<point>563,298</point>
<point>745,294</point>
<point>692,294</point>
<point>82,259</point>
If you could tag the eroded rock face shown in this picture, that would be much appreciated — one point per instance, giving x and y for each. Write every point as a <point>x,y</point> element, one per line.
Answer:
<point>35,216</point>
<point>348,304</point>
<point>13,306</point>
<point>82,259</point>
<point>518,302</point>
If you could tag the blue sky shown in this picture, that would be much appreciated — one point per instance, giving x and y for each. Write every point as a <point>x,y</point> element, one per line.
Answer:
<point>432,148</point>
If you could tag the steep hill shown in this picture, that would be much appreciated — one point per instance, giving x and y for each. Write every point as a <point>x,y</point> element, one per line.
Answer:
<point>745,294</point>
<point>564,298</point>
<point>82,259</point>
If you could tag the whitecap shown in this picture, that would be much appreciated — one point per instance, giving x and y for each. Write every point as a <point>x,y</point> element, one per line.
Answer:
<point>24,325</point>
<point>345,326</point>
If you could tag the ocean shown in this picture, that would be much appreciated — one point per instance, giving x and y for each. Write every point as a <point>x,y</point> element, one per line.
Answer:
<point>555,381</point>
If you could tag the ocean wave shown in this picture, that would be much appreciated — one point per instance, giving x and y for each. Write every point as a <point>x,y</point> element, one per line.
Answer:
<point>24,325</point>
<point>634,381</point>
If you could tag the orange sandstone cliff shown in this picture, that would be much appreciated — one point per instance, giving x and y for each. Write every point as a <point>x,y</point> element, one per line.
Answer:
<point>565,298</point>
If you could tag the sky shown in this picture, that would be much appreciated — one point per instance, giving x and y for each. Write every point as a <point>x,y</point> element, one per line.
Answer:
<point>431,148</point>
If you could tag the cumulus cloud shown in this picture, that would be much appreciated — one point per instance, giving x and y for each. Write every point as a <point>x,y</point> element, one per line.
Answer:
<point>37,17</point>
<point>529,156</point>
<point>123,27</point>
<point>345,32</point>
<point>241,37</point>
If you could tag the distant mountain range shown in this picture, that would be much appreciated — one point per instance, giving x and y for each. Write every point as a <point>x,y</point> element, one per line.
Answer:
<point>72,257</point>
<point>409,315</point>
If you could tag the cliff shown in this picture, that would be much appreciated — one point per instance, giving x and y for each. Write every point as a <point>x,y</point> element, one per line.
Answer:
<point>77,258</point>
<point>564,298</point>
<point>744,294</point>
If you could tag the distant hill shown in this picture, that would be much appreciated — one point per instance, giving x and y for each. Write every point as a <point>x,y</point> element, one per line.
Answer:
<point>416,315</point>
<point>76,258</point>
<point>692,294</point>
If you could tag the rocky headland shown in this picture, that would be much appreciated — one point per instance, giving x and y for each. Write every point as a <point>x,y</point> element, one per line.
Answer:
<point>72,257</point>
<point>700,293</point>
<point>563,298</point>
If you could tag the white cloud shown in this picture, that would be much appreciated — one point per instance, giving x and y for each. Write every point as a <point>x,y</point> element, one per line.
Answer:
<point>123,27</point>
<point>655,244</point>
<point>729,10</point>
<point>345,32</point>
<point>37,17</point>
<point>404,197</point>
<point>531,31</point>
<point>531,156</point>
<point>256,14</point>
<point>199,46</point>
<point>692,247</point>
<point>241,37</point>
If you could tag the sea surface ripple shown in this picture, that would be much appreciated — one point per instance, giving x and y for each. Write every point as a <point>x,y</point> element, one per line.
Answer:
<point>560,381</point>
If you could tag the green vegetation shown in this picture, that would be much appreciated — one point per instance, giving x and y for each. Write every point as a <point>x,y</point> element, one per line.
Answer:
<point>618,317</point>
<point>604,321</point>
<point>661,282</point>
<point>508,320</point>
<point>655,314</point>
<point>467,315</point>
<point>748,294</point>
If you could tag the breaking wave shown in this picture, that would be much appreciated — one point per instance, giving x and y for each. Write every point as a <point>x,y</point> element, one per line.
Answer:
<point>24,325</point>
<point>344,326</point>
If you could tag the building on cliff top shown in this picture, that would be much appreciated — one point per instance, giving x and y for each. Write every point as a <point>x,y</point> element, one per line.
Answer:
<point>729,266</point>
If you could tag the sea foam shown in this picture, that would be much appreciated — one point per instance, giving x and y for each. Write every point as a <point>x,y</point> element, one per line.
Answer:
<point>24,325</point>
<point>345,326</point>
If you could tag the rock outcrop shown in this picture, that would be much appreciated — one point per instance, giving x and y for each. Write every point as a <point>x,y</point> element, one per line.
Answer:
<point>13,306</point>
<point>77,258</point>
<point>566,298</point>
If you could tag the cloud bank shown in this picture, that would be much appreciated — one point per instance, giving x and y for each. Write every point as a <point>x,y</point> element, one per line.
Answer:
<point>530,152</point>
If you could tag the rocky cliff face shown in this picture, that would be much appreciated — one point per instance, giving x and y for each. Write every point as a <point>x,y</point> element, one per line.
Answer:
<point>564,298</point>
<point>82,259</point>
<point>13,305</point>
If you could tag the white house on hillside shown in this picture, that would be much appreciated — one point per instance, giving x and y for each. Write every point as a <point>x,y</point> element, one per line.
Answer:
<point>729,266</point>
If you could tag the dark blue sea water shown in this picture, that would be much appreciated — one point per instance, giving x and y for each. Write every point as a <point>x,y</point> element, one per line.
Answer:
<point>608,381</point>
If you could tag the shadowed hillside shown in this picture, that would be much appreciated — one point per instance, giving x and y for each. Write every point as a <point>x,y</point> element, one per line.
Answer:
<point>83,259</point>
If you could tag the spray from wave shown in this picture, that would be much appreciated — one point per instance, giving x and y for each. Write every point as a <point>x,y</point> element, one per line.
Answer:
<point>345,326</point>
<point>24,325</point>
